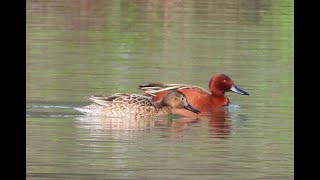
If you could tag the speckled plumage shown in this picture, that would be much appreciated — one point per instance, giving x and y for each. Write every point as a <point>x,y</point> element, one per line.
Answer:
<point>130,105</point>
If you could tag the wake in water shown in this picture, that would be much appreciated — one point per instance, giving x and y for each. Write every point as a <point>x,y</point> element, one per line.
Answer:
<point>50,111</point>
<point>48,107</point>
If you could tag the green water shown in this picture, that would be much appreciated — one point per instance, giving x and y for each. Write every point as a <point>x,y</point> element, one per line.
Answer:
<point>76,49</point>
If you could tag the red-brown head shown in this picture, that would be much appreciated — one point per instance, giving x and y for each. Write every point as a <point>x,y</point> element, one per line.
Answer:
<point>221,83</point>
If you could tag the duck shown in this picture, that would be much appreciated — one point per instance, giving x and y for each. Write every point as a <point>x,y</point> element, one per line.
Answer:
<point>198,97</point>
<point>128,105</point>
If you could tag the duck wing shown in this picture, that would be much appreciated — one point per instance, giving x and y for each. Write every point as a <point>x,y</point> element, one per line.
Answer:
<point>154,88</point>
<point>123,98</point>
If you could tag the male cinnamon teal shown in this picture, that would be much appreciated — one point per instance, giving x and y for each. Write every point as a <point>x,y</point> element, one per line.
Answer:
<point>136,105</point>
<point>198,97</point>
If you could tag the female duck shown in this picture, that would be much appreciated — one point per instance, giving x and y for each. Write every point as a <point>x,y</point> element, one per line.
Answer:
<point>135,105</point>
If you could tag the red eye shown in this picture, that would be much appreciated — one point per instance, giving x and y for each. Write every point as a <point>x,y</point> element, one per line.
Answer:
<point>224,80</point>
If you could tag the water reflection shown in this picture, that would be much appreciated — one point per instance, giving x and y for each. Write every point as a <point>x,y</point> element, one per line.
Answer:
<point>219,122</point>
<point>97,123</point>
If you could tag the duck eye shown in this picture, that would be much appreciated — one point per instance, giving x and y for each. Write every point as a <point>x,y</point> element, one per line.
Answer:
<point>224,80</point>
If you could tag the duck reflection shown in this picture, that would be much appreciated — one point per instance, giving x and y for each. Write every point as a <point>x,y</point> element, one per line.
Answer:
<point>219,122</point>
<point>112,123</point>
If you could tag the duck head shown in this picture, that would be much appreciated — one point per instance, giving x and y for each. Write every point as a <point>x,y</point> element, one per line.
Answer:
<point>221,83</point>
<point>178,100</point>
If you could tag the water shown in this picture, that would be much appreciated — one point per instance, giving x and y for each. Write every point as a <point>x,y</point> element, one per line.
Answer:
<point>76,49</point>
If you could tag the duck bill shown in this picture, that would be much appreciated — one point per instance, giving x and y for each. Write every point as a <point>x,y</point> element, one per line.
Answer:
<point>237,90</point>
<point>192,109</point>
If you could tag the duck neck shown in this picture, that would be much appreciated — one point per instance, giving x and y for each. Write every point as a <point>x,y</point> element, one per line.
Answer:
<point>162,108</point>
<point>219,98</point>
<point>161,104</point>
<point>217,92</point>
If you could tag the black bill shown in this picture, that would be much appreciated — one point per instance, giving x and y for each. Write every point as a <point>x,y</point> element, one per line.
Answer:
<point>190,108</point>
<point>235,89</point>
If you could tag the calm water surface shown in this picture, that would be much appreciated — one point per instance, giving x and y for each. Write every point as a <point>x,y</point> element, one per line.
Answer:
<point>95,47</point>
